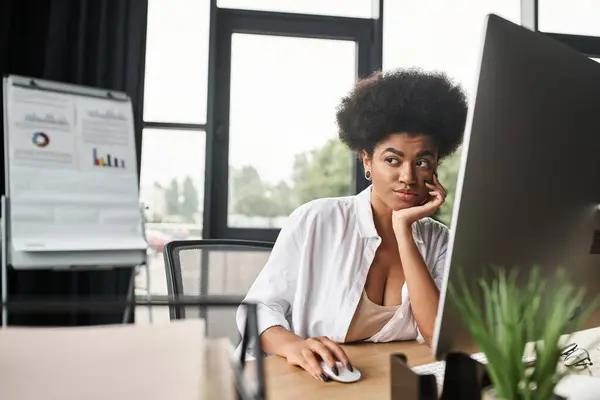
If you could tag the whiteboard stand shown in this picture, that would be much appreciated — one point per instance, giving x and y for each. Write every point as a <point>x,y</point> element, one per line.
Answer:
<point>131,296</point>
<point>4,248</point>
<point>147,266</point>
<point>22,99</point>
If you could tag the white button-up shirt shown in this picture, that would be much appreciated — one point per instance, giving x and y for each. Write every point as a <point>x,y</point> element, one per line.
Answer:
<point>315,276</point>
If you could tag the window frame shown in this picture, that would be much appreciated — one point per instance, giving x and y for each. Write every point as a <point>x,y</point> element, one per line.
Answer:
<point>367,33</point>
<point>588,45</point>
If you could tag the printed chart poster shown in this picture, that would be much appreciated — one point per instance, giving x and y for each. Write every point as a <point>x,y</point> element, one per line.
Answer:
<point>42,129</point>
<point>107,136</point>
<point>72,173</point>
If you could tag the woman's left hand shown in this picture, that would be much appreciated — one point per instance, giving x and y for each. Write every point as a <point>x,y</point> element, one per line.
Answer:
<point>403,219</point>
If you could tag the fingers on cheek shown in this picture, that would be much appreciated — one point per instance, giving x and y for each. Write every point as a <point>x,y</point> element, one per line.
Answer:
<point>437,195</point>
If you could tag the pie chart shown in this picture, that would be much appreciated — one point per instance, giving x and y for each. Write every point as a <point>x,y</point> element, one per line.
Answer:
<point>40,139</point>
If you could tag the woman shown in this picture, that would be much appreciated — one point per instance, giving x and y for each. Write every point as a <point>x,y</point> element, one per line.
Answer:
<point>367,267</point>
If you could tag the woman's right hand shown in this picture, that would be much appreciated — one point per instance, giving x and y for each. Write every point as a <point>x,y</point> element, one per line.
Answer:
<point>308,353</point>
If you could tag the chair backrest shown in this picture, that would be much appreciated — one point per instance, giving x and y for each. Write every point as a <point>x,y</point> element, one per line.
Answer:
<point>213,267</point>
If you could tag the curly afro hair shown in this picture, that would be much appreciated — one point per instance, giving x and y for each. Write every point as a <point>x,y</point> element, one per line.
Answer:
<point>403,101</point>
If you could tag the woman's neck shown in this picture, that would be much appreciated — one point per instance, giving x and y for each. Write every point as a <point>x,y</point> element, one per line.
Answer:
<point>382,217</point>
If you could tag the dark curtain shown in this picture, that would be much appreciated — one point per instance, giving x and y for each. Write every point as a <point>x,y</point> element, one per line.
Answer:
<point>97,43</point>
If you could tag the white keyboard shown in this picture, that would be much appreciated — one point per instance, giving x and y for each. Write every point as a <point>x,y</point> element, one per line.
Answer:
<point>438,368</point>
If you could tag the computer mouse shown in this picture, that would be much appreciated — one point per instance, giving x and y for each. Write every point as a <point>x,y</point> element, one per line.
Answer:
<point>344,375</point>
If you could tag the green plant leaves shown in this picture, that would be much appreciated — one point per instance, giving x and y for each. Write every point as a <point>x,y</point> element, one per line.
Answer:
<point>503,315</point>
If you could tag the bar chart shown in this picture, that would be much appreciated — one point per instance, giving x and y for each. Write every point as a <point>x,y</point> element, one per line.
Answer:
<point>107,160</point>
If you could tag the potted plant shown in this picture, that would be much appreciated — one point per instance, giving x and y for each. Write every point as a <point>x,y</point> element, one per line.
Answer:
<point>503,316</point>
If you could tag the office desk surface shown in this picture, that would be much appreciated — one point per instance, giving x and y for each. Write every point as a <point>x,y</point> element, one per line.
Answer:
<point>372,359</point>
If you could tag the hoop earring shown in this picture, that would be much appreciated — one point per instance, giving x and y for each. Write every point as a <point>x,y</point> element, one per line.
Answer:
<point>368,174</point>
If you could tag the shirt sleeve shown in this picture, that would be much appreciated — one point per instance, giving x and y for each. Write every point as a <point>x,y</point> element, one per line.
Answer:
<point>439,247</point>
<point>275,287</point>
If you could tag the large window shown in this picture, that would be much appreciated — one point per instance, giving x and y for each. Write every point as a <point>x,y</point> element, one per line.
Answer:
<point>278,80</point>
<point>276,89</point>
<point>445,36</point>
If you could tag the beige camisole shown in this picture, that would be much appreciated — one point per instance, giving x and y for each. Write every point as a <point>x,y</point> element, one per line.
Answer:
<point>368,319</point>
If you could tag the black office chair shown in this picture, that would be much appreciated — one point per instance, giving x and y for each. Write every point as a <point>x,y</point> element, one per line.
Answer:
<point>213,267</point>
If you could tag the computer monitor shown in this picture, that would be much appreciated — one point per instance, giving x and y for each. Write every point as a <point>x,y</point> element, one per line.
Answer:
<point>528,188</point>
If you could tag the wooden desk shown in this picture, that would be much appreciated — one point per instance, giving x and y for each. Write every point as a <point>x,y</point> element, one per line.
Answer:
<point>372,359</point>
